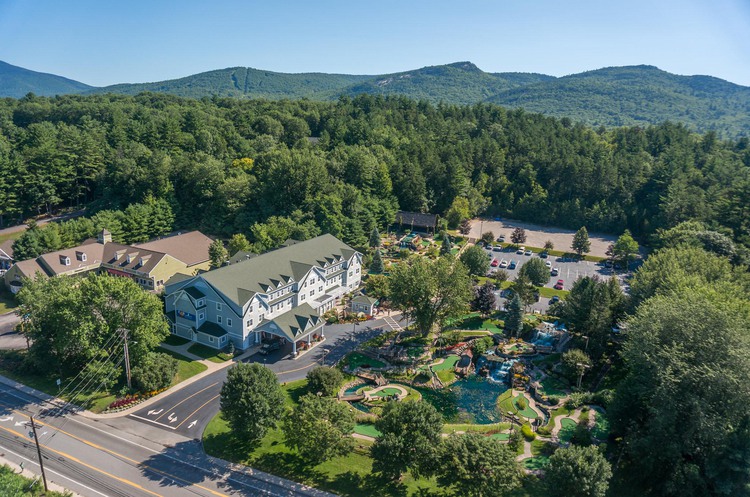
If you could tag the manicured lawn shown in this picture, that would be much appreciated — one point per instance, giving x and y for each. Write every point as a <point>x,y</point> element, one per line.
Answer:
<point>476,322</point>
<point>367,430</point>
<point>601,426</point>
<point>474,428</point>
<point>206,352</point>
<point>446,376</point>
<point>449,363</point>
<point>356,360</point>
<point>186,368</point>
<point>503,403</point>
<point>503,437</point>
<point>567,429</point>
<point>176,341</point>
<point>387,392</point>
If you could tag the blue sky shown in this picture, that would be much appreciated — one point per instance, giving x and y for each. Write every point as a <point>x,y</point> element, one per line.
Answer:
<point>103,42</point>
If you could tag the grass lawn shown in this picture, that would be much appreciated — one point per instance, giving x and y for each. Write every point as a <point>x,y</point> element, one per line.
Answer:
<point>7,302</point>
<point>348,475</point>
<point>185,367</point>
<point>476,322</point>
<point>553,386</point>
<point>356,360</point>
<point>206,352</point>
<point>474,428</point>
<point>176,341</point>
<point>551,292</point>
<point>601,426</point>
<point>448,364</point>
<point>12,236</point>
<point>446,376</point>
<point>503,437</point>
<point>367,430</point>
<point>567,429</point>
<point>504,405</point>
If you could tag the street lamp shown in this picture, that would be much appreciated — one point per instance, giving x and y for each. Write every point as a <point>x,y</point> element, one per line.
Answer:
<point>582,367</point>
<point>587,343</point>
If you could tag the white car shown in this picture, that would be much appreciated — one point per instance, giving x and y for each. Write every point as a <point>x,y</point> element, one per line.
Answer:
<point>521,250</point>
<point>504,263</point>
<point>548,264</point>
<point>555,271</point>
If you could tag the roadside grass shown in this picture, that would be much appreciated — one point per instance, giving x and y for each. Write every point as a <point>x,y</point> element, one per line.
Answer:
<point>206,352</point>
<point>12,236</point>
<point>13,484</point>
<point>548,292</point>
<point>186,368</point>
<point>175,341</point>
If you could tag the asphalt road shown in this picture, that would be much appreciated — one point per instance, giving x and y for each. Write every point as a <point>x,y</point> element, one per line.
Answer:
<point>93,459</point>
<point>188,410</point>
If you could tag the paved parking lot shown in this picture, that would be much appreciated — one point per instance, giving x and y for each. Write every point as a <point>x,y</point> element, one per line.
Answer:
<point>569,270</point>
<point>536,235</point>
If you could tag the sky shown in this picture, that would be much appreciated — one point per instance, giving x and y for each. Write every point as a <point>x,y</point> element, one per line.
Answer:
<point>133,41</point>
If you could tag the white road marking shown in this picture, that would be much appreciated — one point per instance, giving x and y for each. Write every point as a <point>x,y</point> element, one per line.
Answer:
<point>150,421</point>
<point>9,418</point>
<point>153,413</point>
<point>193,424</point>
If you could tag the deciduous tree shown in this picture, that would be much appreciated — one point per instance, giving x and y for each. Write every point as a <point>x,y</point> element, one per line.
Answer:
<point>577,472</point>
<point>518,236</point>
<point>536,270</point>
<point>217,253</point>
<point>319,428</point>
<point>581,243</point>
<point>476,261</point>
<point>484,299</point>
<point>251,400</point>
<point>323,380</point>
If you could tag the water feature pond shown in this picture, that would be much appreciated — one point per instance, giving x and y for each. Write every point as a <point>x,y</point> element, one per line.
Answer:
<point>470,400</point>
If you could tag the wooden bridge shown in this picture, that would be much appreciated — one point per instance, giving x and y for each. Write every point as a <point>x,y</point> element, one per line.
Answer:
<point>376,378</point>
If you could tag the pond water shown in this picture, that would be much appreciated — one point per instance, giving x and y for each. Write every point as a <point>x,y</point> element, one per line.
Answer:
<point>470,400</point>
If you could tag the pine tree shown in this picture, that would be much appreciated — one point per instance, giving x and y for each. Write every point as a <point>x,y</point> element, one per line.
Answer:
<point>375,238</point>
<point>447,245</point>
<point>514,319</point>
<point>217,253</point>
<point>581,243</point>
<point>376,266</point>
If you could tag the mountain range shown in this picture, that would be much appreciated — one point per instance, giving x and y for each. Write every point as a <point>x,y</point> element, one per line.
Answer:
<point>612,96</point>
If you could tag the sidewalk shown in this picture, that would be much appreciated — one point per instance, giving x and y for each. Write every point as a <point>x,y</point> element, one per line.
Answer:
<point>211,367</point>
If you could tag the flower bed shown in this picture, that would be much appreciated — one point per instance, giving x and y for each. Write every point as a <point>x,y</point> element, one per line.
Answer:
<point>130,400</point>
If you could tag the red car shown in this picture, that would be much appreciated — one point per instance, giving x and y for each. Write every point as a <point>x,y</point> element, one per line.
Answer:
<point>494,263</point>
<point>559,285</point>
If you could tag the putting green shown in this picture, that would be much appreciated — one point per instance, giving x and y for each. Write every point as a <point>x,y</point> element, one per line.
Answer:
<point>527,412</point>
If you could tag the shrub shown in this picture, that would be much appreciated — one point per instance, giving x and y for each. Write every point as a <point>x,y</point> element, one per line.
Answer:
<point>515,441</point>
<point>527,433</point>
<point>548,448</point>
<point>521,403</point>
<point>544,431</point>
<point>553,400</point>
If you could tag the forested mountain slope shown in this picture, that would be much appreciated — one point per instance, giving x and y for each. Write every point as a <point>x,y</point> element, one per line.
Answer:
<point>245,82</point>
<point>616,96</point>
<point>16,82</point>
<point>229,166</point>
<point>638,95</point>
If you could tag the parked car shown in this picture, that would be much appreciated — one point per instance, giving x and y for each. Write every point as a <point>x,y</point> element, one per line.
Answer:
<point>267,348</point>
<point>560,285</point>
<point>501,238</point>
<point>494,263</point>
<point>543,255</point>
<point>497,249</point>
<point>528,252</point>
<point>548,264</point>
<point>554,300</point>
<point>512,265</point>
<point>555,271</point>
<point>521,250</point>
<point>504,264</point>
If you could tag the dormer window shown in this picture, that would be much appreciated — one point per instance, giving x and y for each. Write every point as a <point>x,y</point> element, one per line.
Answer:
<point>81,256</point>
<point>65,260</point>
<point>128,259</point>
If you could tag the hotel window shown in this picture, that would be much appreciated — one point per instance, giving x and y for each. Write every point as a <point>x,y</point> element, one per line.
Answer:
<point>200,303</point>
<point>218,306</point>
<point>312,293</point>
<point>201,316</point>
<point>261,317</point>
<point>320,289</point>
<point>249,323</point>
<point>211,339</point>
<point>250,309</point>
<point>229,321</point>
<point>218,319</point>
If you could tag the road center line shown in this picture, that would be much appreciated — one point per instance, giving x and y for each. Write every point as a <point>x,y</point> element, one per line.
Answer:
<point>201,407</point>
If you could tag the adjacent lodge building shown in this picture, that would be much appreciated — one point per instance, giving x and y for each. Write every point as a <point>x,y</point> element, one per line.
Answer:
<point>149,264</point>
<point>279,295</point>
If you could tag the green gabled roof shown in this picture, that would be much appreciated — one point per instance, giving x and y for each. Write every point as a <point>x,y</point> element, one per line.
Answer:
<point>212,329</point>
<point>364,299</point>
<point>294,323</point>
<point>256,275</point>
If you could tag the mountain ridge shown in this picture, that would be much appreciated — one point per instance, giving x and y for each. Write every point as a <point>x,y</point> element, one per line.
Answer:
<point>609,96</point>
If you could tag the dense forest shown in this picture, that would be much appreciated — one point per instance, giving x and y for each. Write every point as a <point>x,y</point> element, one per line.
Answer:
<point>226,166</point>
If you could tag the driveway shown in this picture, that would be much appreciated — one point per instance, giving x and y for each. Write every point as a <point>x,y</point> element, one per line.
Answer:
<point>187,411</point>
<point>10,339</point>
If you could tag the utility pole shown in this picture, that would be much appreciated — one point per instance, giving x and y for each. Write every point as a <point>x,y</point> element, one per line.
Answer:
<point>39,453</point>
<point>127,355</point>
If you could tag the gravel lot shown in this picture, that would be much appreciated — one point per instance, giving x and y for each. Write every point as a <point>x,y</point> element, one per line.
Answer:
<point>536,235</point>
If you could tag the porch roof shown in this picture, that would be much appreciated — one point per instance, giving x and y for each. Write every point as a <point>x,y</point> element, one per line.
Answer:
<point>293,324</point>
